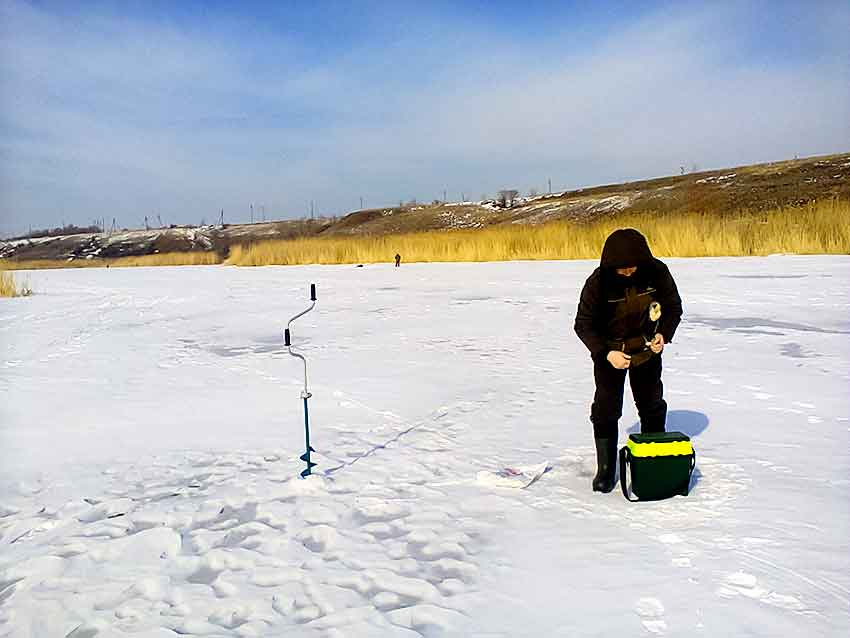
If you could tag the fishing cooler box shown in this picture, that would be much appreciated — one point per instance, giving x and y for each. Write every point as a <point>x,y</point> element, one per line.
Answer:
<point>661,465</point>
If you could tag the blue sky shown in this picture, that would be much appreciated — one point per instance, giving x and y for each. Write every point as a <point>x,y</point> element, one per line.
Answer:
<point>181,109</point>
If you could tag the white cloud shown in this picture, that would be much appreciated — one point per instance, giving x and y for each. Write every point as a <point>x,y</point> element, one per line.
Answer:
<point>115,117</point>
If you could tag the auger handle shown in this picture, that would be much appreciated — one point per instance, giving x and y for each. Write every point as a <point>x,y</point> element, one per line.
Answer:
<point>287,336</point>
<point>301,314</point>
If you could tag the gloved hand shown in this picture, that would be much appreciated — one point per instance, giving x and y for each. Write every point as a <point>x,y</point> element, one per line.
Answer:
<point>619,360</point>
<point>657,343</point>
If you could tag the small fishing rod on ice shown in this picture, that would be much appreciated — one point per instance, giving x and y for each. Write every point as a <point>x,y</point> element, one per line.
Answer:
<point>305,393</point>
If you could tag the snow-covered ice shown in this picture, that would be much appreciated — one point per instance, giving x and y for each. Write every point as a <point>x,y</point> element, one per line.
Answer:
<point>150,428</point>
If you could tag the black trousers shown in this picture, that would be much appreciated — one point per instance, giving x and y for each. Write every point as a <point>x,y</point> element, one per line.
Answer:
<point>647,390</point>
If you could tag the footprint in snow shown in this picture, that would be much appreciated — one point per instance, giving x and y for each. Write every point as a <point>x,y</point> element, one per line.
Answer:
<point>318,538</point>
<point>677,544</point>
<point>651,614</point>
<point>380,511</point>
<point>743,584</point>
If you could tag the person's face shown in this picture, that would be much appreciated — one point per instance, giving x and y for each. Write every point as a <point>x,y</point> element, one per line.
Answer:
<point>627,272</point>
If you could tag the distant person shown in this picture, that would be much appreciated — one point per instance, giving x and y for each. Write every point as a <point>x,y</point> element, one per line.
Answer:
<point>397,260</point>
<point>629,308</point>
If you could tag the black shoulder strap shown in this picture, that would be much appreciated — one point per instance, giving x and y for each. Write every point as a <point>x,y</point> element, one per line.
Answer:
<point>624,460</point>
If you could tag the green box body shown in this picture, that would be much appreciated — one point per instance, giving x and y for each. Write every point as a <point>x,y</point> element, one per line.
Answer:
<point>660,465</point>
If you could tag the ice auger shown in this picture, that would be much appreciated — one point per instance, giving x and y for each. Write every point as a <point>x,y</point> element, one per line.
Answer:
<point>305,394</point>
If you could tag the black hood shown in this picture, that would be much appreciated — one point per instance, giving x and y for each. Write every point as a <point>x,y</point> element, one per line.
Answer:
<point>623,248</point>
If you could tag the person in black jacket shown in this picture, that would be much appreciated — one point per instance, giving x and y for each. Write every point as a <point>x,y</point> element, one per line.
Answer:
<point>629,309</point>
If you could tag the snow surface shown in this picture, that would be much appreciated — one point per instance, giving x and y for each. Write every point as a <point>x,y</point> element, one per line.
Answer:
<point>150,425</point>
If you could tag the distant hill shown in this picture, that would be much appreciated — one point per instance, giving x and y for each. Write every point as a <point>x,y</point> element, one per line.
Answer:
<point>743,188</point>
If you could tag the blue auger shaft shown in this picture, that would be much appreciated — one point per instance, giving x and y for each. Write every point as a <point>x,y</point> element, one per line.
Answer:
<point>306,456</point>
<point>307,429</point>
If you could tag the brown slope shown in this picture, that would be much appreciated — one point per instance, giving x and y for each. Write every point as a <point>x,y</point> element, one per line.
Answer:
<point>756,187</point>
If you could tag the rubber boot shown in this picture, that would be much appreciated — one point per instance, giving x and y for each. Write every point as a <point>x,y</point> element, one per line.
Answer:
<point>606,463</point>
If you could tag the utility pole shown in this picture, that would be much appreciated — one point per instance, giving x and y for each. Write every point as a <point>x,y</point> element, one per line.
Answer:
<point>146,223</point>
<point>444,195</point>
<point>252,213</point>
<point>462,197</point>
<point>361,202</point>
<point>159,219</point>
<point>550,185</point>
<point>221,218</point>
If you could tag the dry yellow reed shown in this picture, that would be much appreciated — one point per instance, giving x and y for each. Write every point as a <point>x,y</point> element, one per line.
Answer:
<point>10,288</point>
<point>817,228</point>
<point>158,259</point>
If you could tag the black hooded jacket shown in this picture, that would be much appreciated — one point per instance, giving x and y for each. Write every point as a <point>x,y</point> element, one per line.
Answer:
<point>613,308</point>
